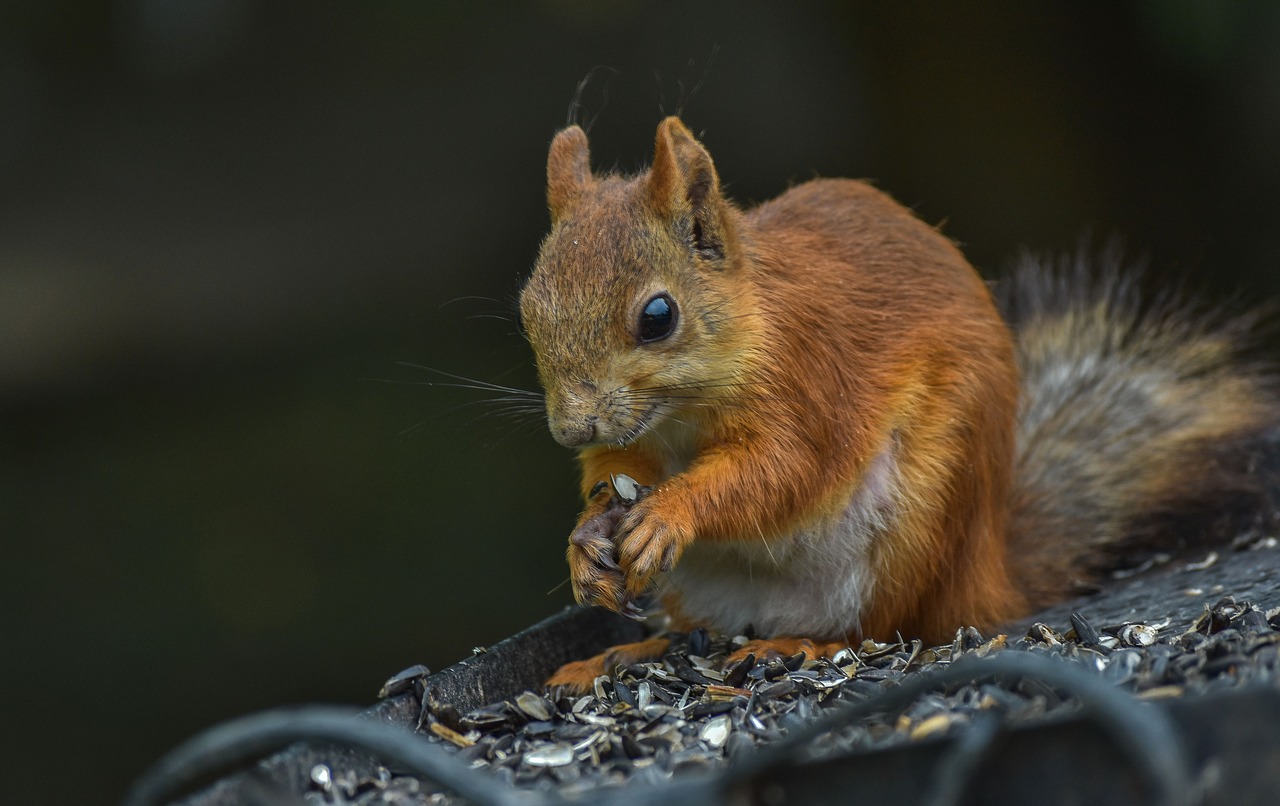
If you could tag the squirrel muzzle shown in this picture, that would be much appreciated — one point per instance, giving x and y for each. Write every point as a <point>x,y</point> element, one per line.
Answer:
<point>572,417</point>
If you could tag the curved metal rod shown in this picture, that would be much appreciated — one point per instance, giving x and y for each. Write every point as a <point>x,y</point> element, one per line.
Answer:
<point>240,741</point>
<point>1142,732</point>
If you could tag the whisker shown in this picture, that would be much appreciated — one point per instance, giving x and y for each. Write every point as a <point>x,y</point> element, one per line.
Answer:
<point>662,439</point>
<point>530,414</point>
<point>473,386</point>
<point>513,368</point>
<point>767,548</point>
<point>736,316</point>
<point>692,396</point>
<point>470,298</point>
<point>473,383</point>
<point>517,429</point>
<point>704,400</point>
<point>711,383</point>
<point>531,403</point>
<point>677,420</point>
<point>418,426</point>
<point>521,416</point>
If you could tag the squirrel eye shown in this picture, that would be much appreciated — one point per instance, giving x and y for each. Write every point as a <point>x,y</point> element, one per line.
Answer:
<point>658,319</point>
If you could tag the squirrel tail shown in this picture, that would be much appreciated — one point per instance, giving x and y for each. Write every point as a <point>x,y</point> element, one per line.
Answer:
<point>1147,422</point>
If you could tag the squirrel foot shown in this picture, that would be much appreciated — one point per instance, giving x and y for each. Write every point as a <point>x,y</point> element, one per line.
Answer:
<point>577,677</point>
<point>770,648</point>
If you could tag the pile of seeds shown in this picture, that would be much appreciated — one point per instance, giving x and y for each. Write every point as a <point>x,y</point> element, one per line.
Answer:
<point>688,712</point>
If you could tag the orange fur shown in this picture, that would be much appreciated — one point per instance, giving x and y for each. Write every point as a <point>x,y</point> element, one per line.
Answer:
<point>831,413</point>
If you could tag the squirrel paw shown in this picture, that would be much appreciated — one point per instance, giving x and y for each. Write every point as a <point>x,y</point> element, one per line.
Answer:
<point>650,544</point>
<point>597,578</point>
<point>773,648</point>
<point>579,676</point>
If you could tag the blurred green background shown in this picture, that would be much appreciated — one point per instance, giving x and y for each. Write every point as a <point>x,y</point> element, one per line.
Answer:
<point>224,222</point>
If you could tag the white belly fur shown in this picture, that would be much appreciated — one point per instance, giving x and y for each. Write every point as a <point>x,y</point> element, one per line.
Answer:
<point>814,583</point>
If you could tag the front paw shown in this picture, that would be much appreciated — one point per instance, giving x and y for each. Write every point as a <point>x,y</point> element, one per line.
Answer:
<point>651,544</point>
<point>597,578</point>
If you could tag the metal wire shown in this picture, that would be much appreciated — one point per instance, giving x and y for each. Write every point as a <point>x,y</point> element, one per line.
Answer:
<point>249,738</point>
<point>1142,732</point>
<point>957,767</point>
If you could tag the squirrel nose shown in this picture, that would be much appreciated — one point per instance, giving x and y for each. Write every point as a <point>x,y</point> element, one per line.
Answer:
<point>575,432</point>
<point>572,414</point>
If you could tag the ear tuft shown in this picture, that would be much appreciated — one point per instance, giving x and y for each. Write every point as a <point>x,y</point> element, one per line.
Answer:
<point>568,171</point>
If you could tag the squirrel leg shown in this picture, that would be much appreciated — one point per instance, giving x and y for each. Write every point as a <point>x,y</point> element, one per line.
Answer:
<point>766,648</point>
<point>740,489</point>
<point>577,677</point>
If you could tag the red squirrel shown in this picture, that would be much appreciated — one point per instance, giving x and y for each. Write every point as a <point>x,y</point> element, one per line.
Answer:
<point>840,434</point>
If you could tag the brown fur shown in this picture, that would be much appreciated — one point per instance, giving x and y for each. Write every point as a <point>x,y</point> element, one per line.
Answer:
<point>816,332</point>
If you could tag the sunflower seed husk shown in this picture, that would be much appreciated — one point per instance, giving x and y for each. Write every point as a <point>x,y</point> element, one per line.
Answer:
<point>555,755</point>
<point>716,732</point>
<point>691,711</point>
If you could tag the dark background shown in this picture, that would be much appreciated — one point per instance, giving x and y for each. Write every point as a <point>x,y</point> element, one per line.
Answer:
<point>224,222</point>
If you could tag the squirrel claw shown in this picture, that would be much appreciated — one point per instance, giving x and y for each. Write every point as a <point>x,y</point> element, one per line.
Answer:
<point>632,611</point>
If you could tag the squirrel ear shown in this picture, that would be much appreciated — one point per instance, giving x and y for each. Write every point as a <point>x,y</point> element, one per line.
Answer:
<point>683,178</point>
<point>683,186</point>
<point>568,171</point>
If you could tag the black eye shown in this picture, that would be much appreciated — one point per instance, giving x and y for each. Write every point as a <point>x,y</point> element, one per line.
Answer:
<point>658,319</point>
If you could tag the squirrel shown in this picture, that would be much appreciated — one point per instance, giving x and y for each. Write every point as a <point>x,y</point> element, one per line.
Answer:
<point>842,433</point>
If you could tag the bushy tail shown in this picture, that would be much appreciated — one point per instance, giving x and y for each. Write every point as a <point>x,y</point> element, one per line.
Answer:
<point>1147,421</point>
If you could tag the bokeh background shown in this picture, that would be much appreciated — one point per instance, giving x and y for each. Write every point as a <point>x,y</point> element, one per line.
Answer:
<point>225,223</point>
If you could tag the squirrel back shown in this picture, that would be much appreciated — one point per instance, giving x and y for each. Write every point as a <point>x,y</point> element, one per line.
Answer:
<point>841,435</point>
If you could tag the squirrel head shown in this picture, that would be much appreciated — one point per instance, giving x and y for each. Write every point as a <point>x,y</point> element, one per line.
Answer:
<point>634,308</point>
